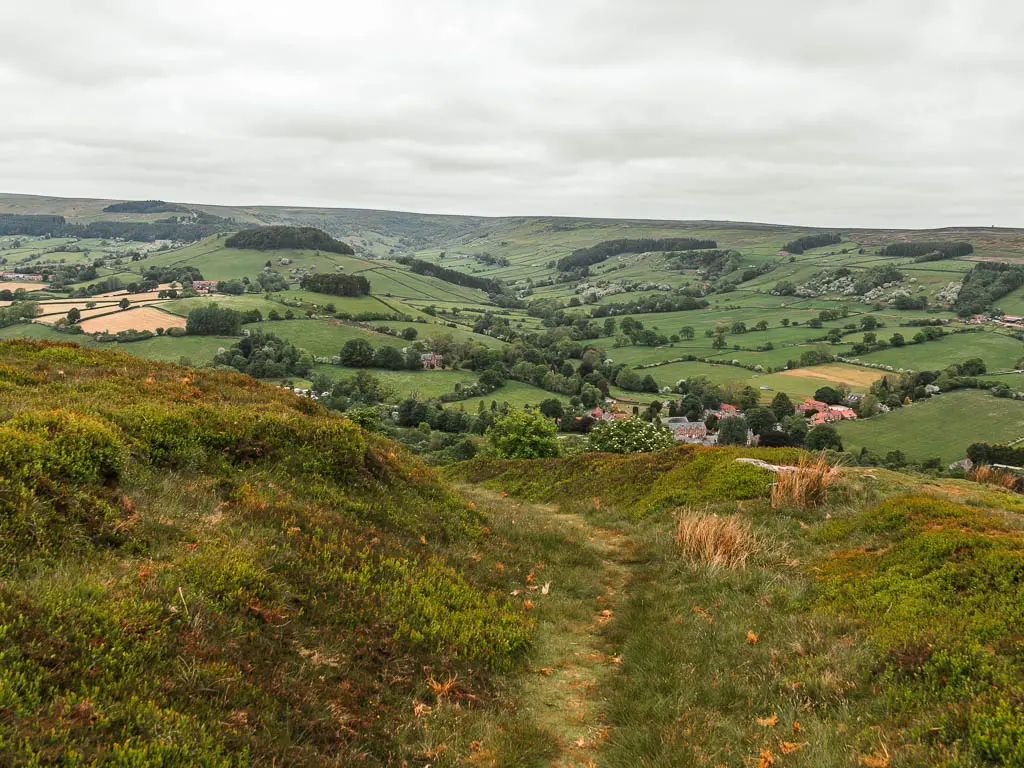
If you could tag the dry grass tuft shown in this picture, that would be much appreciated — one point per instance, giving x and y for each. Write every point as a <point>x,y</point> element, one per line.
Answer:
<point>806,484</point>
<point>720,542</point>
<point>996,476</point>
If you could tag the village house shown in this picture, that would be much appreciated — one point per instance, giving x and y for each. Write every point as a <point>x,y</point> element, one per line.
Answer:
<point>204,286</point>
<point>16,276</point>
<point>686,431</point>
<point>810,405</point>
<point>432,361</point>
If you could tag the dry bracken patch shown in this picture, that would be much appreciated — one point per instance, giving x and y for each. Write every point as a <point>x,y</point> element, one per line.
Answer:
<point>806,484</point>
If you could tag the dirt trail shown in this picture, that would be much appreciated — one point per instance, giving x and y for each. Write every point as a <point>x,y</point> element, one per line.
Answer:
<point>562,688</point>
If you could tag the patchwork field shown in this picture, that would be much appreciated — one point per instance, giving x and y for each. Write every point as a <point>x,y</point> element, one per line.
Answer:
<point>999,351</point>
<point>134,319</point>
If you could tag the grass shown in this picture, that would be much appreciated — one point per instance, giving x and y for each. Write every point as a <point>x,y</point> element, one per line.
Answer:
<point>717,542</point>
<point>806,484</point>
<point>941,426</point>
<point>999,352</point>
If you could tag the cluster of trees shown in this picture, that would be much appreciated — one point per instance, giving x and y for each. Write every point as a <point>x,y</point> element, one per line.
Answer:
<point>808,242</point>
<point>278,238</point>
<point>421,267</point>
<point>928,251</point>
<point>712,264</point>
<point>17,312</point>
<point>359,353</point>
<point>336,284</point>
<point>987,453</point>
<point>985,284</point>
<point>145,206</point>
<point>266,356</point>
<point>171,274</point>
<point>595,254</point>
<point>39,225</point>
<point>652,303</point>
<point>872,341</point>
<point>895,390</point>
<point>107,285</point>
<point>214,320</point>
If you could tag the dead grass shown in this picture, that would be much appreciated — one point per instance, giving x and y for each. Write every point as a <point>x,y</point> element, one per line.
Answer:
<point>720,542</point>
<point>989,475</point>
<point>806,484</point>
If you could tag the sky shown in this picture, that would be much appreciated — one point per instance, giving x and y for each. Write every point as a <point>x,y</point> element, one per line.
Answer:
<point>856,114</point>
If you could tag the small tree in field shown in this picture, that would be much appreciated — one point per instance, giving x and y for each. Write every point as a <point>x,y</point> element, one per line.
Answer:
<point>124,304</point>
<point>74,315</point>
<point>523,435</point>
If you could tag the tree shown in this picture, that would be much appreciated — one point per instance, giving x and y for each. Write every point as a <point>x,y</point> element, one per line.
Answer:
<point>973,367</point>
<point>357,353</point>
<point>74,315</point>
<point>687,332</point>
<point>410,333</point>
<point>761,325</point>
<point>522,434</point>
<point>630,436</point>
<point>782,406</point>
<point>829,395</point>
<point>761,420</point>
<point>591,396</point>
<point>748,398</point>
<point>732,430</point>
<point>897,340</point>
<point>388,357</point>
<point>823,437</point>
<point>552,408</point>
<point>124,303</point>
<point>213,320</point>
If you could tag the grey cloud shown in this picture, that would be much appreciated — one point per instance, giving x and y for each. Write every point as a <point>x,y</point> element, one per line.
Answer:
<point>867,113</point>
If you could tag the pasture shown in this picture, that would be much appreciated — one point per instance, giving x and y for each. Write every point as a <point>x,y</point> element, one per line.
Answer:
<point>942,426</point>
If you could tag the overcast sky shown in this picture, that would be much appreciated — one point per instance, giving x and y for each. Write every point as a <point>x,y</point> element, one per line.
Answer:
<point>856,113</point>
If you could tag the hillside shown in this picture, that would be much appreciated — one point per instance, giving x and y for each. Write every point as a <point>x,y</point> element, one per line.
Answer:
<point>512,305</point>
<point>201,569</point>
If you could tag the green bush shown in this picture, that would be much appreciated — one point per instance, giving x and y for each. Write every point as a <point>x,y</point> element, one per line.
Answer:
<point>629,436</point>
<point>523,434</point>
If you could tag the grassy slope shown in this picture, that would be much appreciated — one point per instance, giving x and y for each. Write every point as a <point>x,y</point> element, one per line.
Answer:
<point>942,426</point>
<point>199,569</point>
<point>999,351</point>
<point>879,629</point>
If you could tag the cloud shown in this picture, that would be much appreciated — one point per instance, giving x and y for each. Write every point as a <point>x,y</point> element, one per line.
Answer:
<point>857,114</point>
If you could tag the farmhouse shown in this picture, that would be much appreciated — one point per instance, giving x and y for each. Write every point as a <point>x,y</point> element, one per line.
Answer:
<point>432,361</point>
<point>18,276</point>
<point>204,286</point>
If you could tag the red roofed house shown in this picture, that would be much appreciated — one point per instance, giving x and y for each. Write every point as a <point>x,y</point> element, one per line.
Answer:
<point>812,406</point>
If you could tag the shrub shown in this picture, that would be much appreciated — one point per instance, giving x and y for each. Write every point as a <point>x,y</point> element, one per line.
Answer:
<point>523,435</point>
<point>629,436</point>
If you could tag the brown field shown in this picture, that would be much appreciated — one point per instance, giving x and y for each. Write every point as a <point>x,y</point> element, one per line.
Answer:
<point>138,319</point>
<point>52,311</point>
<point>13,286</point>
<point>838,373</point>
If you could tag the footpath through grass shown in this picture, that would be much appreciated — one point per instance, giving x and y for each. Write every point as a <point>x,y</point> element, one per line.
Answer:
<point>879,629</point>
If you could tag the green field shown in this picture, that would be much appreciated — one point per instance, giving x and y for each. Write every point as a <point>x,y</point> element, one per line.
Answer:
<point>943,426</point>
<point>422,384</point>
<point>999,351</point>
<point>199,350</point>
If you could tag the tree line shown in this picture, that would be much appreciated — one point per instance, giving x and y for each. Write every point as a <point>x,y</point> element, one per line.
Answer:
<point>985,284</point>
<point>43,225</point>
<point>336,285</point>
<point>282,237</point>
<point>145,206</point>
<point>595,254</point>
<point>807,242</point>
<point>928,251</point>
<point>429,269</point>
